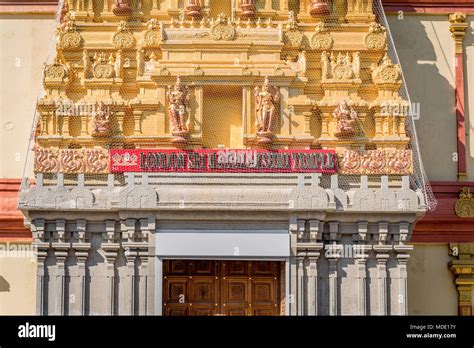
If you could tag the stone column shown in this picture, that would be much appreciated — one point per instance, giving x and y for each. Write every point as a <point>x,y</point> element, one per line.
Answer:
<point>333,288</point>
<point>312,271</point>
<point>382,259</point>
<point>143,280</point>
<point>360,261</point>
<point>111,249</point>
<point>58,286</point>
<point>42,254</point>
<point>300,259</point>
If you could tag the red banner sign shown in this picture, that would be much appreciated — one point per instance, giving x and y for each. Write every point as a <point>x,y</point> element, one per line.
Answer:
<point>233,161</point>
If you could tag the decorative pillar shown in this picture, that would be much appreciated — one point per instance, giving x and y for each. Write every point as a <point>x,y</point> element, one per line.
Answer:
<point>300,283</point>
<point>312,291</point>
<point>360,261</point>
<point>382,259</point>
<point>58,287</point>
<point>42,254</point>
<point>137,117</point>
<point>458,29</point>
<point>463,269</point>
<point>77,290</point>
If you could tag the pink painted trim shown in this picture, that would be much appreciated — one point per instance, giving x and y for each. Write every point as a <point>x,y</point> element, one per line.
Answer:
<point>460,118</point>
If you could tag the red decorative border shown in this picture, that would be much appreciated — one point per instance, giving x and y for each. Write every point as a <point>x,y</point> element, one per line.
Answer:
<point>443,225</point>
<point>429,7</point>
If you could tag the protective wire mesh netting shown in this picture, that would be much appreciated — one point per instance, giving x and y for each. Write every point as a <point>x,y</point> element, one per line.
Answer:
<point>99,99</point>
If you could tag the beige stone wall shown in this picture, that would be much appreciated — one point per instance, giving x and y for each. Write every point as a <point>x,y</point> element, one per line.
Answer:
<point>426,52</point>
<point>17,280</point>
<point>24,48</point>
<point>431,289</point>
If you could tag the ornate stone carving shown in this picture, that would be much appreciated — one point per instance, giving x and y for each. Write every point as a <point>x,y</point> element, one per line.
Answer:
<point>71,161</point>
<point>46,160</point>
<point>377,162</point>
<point>293,36</point>
<point>386,72</point>
<point>193,8</point>
<point>343,67</point>
<point>102,126</point>
<point>178,99</point>
<point>249,8</point>
<point>104,68</point>
<point>222,29</point>
<point>123,38</point>
<point>321,39</point>
<point>346,117</point>
<point>302,63</point>
<point>320,7</point>
<point>68,36</point>
<point>266,107</point>
<point>376,39</point>
<point>97,161</point>
<point>122,8</point>
<point>464,206</point>
<point>55,71</point>
<point>152,36</point>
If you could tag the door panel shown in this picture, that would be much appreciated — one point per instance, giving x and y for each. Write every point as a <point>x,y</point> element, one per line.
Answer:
<point>231,287</point>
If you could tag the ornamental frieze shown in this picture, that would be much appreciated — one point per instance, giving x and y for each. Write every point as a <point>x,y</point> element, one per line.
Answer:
<point>293,36</point>
<point>376,162</point>
<point>71,161</point>
<point>386,71</point>
<point>321,39</point>
<point>340,67</point>
<point>152,37</point>
<point>68,37</point>
<point>222,29</point>
<point>123,38</point>
<point>376,39</point>
<point>464,206</point>
<point>55,71</point>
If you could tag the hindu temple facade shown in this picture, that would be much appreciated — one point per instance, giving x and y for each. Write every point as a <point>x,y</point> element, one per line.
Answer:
<point>222,158</point>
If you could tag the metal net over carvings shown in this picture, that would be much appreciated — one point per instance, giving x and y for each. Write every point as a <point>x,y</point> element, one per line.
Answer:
<point>248,89</point>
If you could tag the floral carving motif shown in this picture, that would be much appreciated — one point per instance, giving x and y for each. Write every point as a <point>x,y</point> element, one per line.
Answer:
<point>55,71</point>
<point>293,36</point>
<point>152,36</point>
<point>97,161</point>
<point>321,39</point>
<point>376,39</point>
<point>123,38</point>
<point>464,206</point>
<point>71,161</point>
<point>379,162</point>
<point>46,160</point>
<point>68,36</point>
<point>386,72</point>
<point>222,30</point>
<point>104,68</point>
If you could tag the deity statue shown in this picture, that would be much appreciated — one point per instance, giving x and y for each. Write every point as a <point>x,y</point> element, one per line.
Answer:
<point>266,106</point>
<point>249,8</point>
<point>193,8</point>
<point>320,7</point>
<point>178,99</point>
<point>122,8</point>
<point>346,117</point>
<point>102,126</point>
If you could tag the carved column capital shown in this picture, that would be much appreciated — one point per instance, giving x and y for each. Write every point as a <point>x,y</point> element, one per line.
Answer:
<point>458,29</point>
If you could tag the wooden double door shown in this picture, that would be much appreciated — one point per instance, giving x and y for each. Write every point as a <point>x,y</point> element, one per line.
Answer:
<point>210,287</point>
